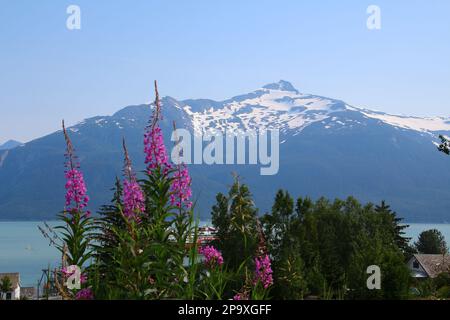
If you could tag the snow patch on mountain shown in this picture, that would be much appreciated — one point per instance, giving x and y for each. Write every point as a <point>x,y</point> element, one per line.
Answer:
<point>281,106</point>
<point>274,106</point>
<point>3,156</point>
<point>413,123</point>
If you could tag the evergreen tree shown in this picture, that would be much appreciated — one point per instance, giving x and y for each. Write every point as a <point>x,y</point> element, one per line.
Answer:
<point>277,223</point>
<point>431,242</point>
<point>280,225</point>
<point>221,220</point>
<point>107,241</point>
<point>235,218</point>
<point>110,216</point>
<point>397,228</point>
<point>302,207</point>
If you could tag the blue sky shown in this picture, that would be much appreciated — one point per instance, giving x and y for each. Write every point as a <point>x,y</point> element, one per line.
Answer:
<point>216,49</point>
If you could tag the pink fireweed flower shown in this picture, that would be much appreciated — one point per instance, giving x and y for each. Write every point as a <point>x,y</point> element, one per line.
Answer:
<point>76,191</point>
<point>85,294</point>
<point>212,256</point>
<point>181,188</point>
<point>240,296</point>
<point>133,197</point>
<point>263,271</point>
<point>154,148</point>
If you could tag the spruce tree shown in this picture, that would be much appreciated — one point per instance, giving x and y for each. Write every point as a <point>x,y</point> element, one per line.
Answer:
<point>431,242</point>
<point>281,226</point>
<point>236,224</point>
<point>397,228</point>
<point>277,223</point>
<point>221,220</point>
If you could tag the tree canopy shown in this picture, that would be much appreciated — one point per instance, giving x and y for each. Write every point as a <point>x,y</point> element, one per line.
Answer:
<point>431,242</point>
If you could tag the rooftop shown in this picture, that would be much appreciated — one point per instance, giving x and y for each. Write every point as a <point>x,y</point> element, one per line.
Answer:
<point>434,264</point>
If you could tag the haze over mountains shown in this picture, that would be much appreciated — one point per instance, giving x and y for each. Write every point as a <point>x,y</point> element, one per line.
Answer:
<point>328,148</point>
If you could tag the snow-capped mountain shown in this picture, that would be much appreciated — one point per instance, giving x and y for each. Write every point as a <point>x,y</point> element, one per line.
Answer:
<point>274,106</point>
<point>328,148</point>
<point>281,106</point>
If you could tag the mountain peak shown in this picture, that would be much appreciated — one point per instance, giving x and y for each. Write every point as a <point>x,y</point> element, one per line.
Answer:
<point>281,85</point>
<point>10,144</point>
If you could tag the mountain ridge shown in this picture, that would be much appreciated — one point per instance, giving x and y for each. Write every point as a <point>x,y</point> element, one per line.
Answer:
<point>10,144</point>
<point>328,148</point>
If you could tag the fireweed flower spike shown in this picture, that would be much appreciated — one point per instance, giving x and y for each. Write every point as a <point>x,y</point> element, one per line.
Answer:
<point>154,148</point>
<point>263,271</point>
<point>133,197</point>
<point>212,256</point>
<point>181,186</point>
<point>240,296</point>
<point>263,268</point>
<point>85,294</point>
<point>76,191</point>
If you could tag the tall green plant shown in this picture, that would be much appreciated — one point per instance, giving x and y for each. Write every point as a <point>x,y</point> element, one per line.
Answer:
<point>145,232</point>
<point>76,230</point>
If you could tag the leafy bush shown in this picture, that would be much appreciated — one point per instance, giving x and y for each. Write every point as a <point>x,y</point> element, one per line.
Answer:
<point>444,292</point>
<point>442,280</point>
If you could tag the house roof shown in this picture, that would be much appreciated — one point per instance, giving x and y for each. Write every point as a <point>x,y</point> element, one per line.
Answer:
<point>14,277</point>
<point>434,264</point>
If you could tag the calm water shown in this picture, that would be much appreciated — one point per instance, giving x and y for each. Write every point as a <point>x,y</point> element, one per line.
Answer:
<point>23,248</point>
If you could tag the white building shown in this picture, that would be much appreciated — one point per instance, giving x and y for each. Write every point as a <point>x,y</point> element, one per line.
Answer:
<point>14,294</point>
